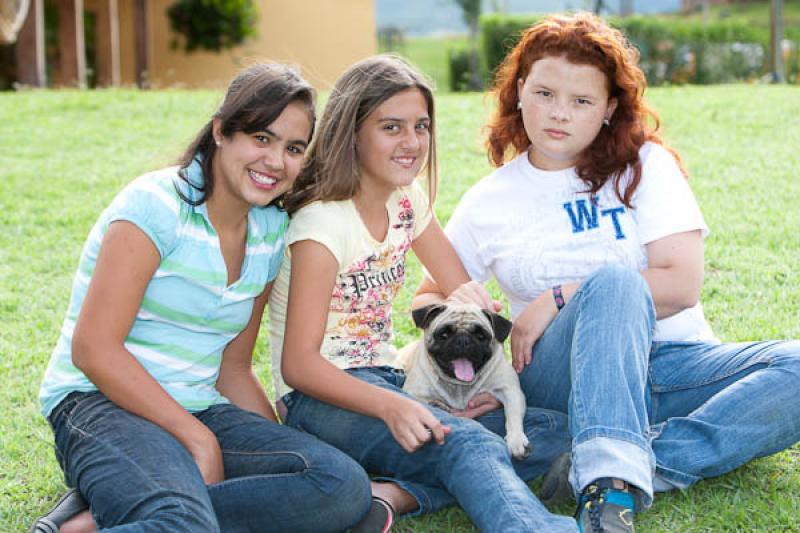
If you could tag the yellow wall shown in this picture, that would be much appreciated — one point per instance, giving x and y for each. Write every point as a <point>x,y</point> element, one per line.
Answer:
<point>127,43</point>
<point>323,37</point>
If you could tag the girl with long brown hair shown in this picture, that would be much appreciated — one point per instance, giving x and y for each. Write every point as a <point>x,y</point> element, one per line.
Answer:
<point>159,420</point>
<point>356,213</point>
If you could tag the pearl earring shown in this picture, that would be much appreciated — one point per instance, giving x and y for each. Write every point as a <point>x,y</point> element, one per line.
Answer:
<point>606,122</point>
<point>519,104</point>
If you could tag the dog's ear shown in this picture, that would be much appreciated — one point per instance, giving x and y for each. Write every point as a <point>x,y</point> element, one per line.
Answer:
<point>423,316</point>
<point>500,325</point>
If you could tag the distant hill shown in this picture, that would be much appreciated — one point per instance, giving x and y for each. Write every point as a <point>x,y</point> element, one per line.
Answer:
<point>426,17</point>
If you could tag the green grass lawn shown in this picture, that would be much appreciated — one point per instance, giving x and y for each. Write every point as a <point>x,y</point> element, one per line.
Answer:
<point>65,154</point>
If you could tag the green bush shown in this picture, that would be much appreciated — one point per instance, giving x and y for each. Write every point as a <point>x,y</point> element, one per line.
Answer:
<point>460,73</point>
<point>680,51</point>
<point>672,50</point>
<point>458,65</point>
<point>212,24</point>
<point>499,34</point>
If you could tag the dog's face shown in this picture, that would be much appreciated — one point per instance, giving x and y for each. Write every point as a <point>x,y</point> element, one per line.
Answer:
<point>460,338</point>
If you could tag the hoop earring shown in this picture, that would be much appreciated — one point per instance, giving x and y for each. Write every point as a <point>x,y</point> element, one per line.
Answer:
<point>519,105</point>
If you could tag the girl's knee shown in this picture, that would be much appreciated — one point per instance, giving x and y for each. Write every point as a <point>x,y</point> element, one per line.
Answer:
<point>356,479</point>
<point>787,355</point>
<point>617,277</point>
<point>349,497</point>
<point>620,284</point>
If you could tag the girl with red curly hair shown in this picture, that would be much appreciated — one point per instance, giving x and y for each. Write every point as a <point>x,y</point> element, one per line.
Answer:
<point>592,232</point>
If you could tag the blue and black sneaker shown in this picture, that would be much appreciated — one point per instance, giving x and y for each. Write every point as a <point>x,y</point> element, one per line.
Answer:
<point>606,506</point>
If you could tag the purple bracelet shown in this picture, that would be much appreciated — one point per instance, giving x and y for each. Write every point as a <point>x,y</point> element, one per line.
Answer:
<point>558,296</point>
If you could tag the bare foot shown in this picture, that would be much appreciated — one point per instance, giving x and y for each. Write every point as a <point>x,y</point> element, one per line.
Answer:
<point>399,499</point>
<point>80,523</point>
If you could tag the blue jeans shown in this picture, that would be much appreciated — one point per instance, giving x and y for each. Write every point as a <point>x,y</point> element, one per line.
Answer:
<point>473,467</point>
<point>660,415</point>
<point>138,477</point>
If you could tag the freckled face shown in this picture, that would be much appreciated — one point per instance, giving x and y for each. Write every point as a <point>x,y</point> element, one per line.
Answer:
<point>563,107</point>
<point>393,141</point>
<point>255,168</point>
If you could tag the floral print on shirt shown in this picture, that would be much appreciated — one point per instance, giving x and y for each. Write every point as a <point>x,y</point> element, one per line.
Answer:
<point>364,292</point>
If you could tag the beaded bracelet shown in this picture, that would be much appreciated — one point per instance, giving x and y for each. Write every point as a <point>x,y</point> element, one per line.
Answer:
<point>558,296</point>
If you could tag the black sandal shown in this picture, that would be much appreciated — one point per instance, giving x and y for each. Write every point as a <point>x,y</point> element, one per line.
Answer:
<point>379,518</point>
<point>69,505</point>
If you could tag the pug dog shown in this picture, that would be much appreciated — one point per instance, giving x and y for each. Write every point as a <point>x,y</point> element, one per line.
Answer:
<point>461,355</point>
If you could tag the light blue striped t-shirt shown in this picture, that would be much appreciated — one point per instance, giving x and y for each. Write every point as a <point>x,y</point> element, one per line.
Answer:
<point>188,314</point>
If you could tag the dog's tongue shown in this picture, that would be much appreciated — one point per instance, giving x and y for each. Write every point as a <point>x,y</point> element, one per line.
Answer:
<point>463,369</point>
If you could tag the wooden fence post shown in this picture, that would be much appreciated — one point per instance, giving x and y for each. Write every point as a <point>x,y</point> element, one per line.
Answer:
<point>71,45</point>
<point>31,65</point>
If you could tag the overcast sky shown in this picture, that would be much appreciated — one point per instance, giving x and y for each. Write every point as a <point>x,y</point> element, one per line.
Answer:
<point>424,17</point>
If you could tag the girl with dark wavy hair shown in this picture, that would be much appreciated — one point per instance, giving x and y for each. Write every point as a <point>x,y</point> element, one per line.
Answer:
<point>592,232</point>
<point>159,422</point>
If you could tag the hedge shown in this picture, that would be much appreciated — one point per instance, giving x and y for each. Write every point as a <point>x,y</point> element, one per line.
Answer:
<point>672,50</point>
<point>458,65</point>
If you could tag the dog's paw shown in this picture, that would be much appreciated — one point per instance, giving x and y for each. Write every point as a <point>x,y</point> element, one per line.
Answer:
<point>518,445</point>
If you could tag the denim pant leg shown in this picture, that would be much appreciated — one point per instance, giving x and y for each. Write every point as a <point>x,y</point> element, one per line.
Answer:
<point>591,363</point>
<point>547,432</point>
<point>280,479</point>
<point>473,464</point>
<point>717,406</point>
<point>429,498</point>
<point>136,476</point>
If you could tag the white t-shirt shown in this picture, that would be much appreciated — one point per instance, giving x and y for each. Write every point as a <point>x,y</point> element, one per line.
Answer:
<point>359,327</point>
<point>532,229</point>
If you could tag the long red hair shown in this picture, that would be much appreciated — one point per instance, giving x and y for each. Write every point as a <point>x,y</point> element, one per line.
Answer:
<point>582,39</point>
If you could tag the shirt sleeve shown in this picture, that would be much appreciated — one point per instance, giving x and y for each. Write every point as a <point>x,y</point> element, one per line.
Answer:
<point>664,202</point>
<point>421,206</point>
<point>153,206</point>
<point>322,222</point>
<point>280,248</point>
<point>461,231</point>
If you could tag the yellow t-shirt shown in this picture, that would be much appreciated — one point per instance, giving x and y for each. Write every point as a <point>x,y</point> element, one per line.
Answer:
<point>359,327</point>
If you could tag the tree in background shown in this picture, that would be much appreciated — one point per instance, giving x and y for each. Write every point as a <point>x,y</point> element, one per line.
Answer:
<point>212,24</point>
<point>598,6</point>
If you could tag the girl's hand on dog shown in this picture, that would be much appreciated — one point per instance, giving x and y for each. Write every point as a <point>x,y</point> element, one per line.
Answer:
<point>528,327</point>
<point>473,292</point>
<point>479,405</point>
<point>411,424</point>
